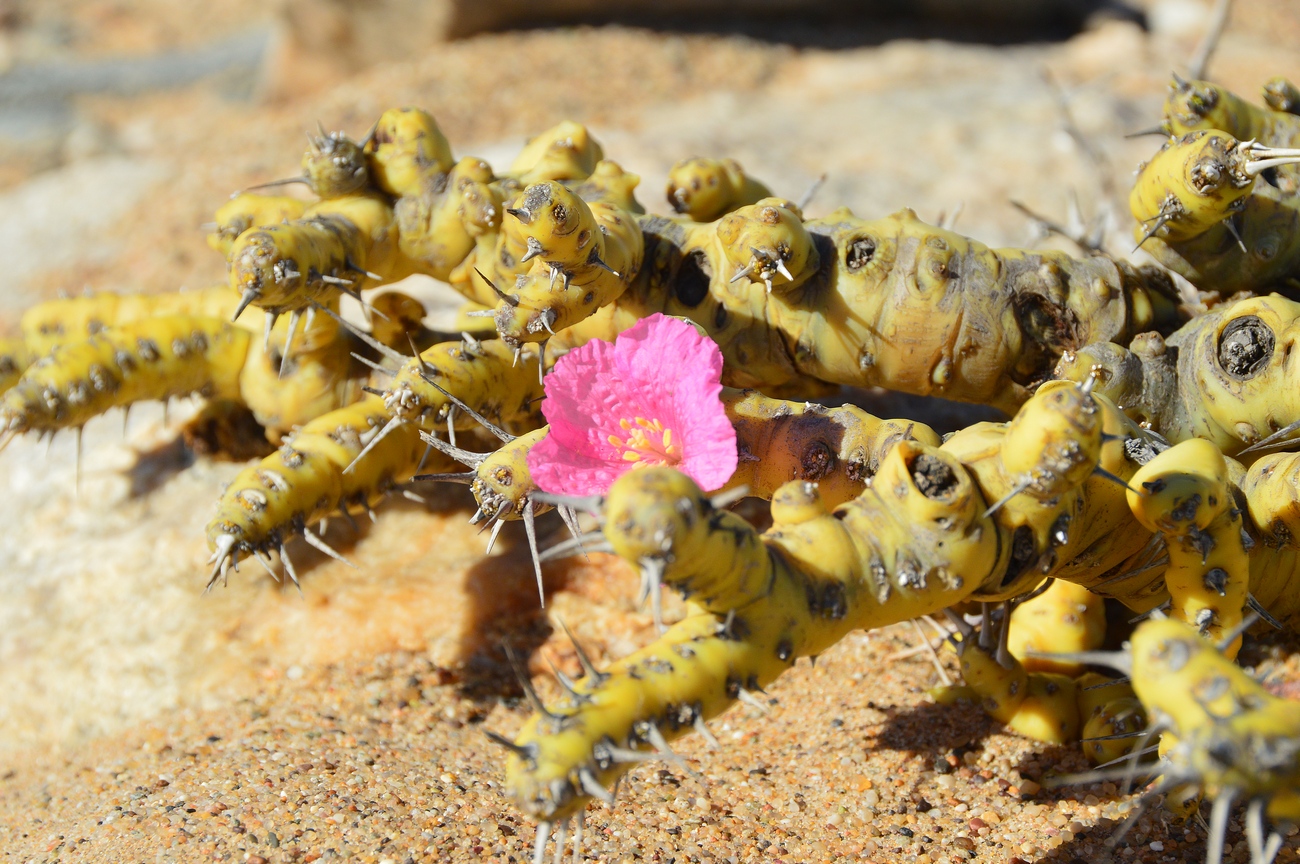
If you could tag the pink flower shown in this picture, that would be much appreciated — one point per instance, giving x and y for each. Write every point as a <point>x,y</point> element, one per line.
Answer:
<point>648,398</point>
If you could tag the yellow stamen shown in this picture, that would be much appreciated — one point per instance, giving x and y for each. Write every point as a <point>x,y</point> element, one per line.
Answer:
<point>648,443</point>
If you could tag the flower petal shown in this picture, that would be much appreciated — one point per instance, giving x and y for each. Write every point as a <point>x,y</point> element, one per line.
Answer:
<point>562,470</point>
<point>660,369</point>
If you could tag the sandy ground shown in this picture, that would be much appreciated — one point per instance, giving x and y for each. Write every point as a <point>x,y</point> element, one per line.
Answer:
<point>145,721</point>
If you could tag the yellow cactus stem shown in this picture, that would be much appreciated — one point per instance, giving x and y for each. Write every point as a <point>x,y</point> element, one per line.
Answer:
<point>839,449</point>
<point>405,150</point>
<point>154,358</point>
<point>1038,705</point>
<point>1271,488</point>
<point>1281,95</point>
<point>914,542</point>
<point>338,245</point>
<point>1225,376</point>
<point>566,151</point>
<point>334,165</point>
<point>248,210</point>
<point>447,218</point>
<point>584,256</point>
<point>15,357</point>
<point>1233,738</point>
<point>1032,472</point>
<point>397,321</point>
<point>304,481</point>
<point>610,184</point>
<point>767,244</point>
<point>1184,494</point>
<point>1193,183</point>
<point>706,189</point>
<point>1199,105</point>
<point>891,303</point>
<point>287,390</point>
<point>72,319</point>
<point>1066,618</point>
<point>486,375</point>
<point>1113,717</point>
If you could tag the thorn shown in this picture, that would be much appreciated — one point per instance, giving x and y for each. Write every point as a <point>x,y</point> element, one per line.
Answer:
<point>463,456</point>
<point>465,479</point>
<point>783,270</point>
<point>742,273</point>
<point>343,511</point>
<point>509,299</point>
<point>703,728</point>
<point>497,524</point>
<point>751,700</point>
<point>593,258</point>
<point>1111,659</point>
<point>588,668</point>
<point>570,520</point>
<point>525,684</point>
<point>657,740</point>
<point>560,830</point>
<point>522,751</point>
<point>652,573</point>
<point>285,182</point>
<point>606,751</point>
<point>1219,814</point>
<point>268,323</point>
<point>1152,130</point>
<point>487,424</point>
<point>1258,609</point>
<point>266,563</point>
<point>586,503</point>
<point>288,568</point>
<point>393,423</point>
<point>294,316</point>
<point>530,528</point>
<point>812,191</point>
<point>397,357</point>
<point>249,295</point>
<point>1230,224</point>
<point>1006,499</point>
<point>534,249</point>
<point>593,787</point>
<point>539,844</point>
<point>1276,439</point>
<point>220,559</point>
<point>576,544</point>
<point>1118,481</point>
<point>566,682</point>
<point>1153,230</point>
<point>320,544</point>
<point>383,370</point>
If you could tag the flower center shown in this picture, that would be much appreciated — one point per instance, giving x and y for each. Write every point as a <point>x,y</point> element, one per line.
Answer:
<point>647,443</point>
